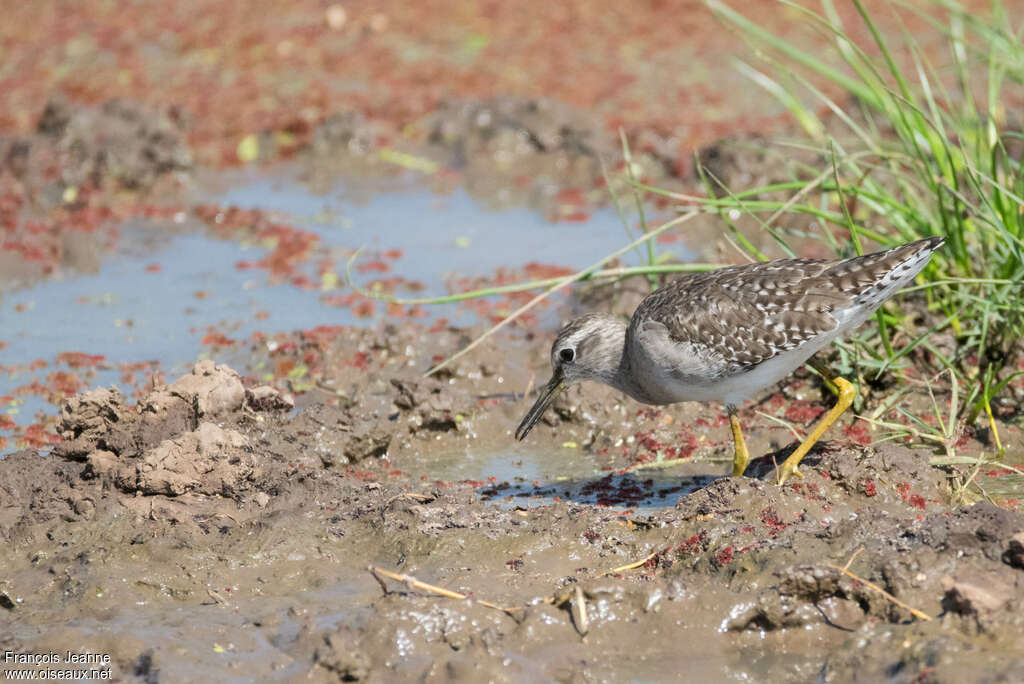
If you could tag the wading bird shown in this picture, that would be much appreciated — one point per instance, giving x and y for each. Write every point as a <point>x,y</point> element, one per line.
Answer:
<point>725,334</point>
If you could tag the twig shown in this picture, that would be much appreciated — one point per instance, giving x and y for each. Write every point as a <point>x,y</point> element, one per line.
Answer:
<point>871,585</point>
<point>578,610</point>
<point>787,425</point>
<point>594,276</point>
<point>628,158</point>
<point>854,555</point>
<point>667,463</point>
<point>629,566</point>
<point>413,583</point>
<point>529,385</point>
<point>383,586</point>
<point>798,196</point>
<point>577,606</point>
<point>970,460</point>
<point>564,596</point>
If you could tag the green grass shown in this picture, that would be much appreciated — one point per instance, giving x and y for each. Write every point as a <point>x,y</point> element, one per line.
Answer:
<point>932,150</point>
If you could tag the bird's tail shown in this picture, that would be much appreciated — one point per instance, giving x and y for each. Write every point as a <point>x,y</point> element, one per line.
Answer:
<point>873,278</point>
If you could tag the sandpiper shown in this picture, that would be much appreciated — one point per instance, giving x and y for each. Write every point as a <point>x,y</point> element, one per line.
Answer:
<point>725,334</point>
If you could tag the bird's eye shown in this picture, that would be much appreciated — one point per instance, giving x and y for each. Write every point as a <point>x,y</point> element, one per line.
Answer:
<point>567,355</point>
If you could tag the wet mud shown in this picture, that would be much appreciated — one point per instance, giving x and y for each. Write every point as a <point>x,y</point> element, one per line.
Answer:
<point>255,536</point>
<point>60,184</point>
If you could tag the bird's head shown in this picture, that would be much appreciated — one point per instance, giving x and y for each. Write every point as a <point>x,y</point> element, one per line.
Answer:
<point>588,348</point>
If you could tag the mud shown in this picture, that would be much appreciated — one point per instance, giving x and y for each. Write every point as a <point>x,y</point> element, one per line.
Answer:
<point>214,512</point>
<point>60,184</point>
<point>119,142</point>
<point>504,151</point>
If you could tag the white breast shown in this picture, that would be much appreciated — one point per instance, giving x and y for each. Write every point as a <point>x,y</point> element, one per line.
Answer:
<point>666,372</point>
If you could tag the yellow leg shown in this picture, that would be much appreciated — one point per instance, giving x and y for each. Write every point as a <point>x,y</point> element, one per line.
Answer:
<point>740,456</point>
<point>847,392</point>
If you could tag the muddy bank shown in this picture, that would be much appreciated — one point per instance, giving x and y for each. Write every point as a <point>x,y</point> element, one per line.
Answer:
<point>69,188</point>
<point>239,531</point>
<point>61,186</point>
<point>505,151</point>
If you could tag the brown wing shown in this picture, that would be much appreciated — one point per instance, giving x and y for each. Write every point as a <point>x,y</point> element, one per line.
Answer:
<point>873,278</point>
<point>745,315</point>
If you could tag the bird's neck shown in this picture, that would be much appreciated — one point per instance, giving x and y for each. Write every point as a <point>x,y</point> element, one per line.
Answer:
<point>613,367</point>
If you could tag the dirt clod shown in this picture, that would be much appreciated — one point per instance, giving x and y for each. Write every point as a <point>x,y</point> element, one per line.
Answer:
<point>213,390</point>
<point>208,460</point>
<point>1014,555</point>
<point>267,398</point>
<point>340,655</point>
<point>976,593</point>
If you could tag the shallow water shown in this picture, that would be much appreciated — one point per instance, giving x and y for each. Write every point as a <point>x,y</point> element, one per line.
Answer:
<point>530,477</point>
<point>127,313</point>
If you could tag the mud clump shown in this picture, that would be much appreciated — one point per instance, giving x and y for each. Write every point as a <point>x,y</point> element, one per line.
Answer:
<point>92,421</point>
<point>167,444</point>
<point>208,460</point>
<point>343,658</point>
<point>122,141</point>
<point>980,594</point>
<point>495,142</point>
<point>505,150</point>
<point>266,398</point>
<point>210,390</point>
<point>345,132</point>
<point>101,420</point>
<point>35,489</point>
<point>63,187</point>
<point>334,435</point>
<point>428,406</point>
<point>513,125</point>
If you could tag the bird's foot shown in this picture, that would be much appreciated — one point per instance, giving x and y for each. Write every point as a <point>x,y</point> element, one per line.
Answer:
<point>741,455</point>
<point>740,461</point>
<point>785,470</point>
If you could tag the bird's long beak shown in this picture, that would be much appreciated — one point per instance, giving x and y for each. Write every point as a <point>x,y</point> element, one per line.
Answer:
<point>551,390</point>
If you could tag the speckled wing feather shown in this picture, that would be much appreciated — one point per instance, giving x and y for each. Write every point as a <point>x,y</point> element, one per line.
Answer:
<point>873,278</point>
<point>747,314</point>
<point>744,315</point>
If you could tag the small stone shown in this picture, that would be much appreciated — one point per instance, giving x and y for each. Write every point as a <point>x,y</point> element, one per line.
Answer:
<point>100,462</point>
<point>842,613</point>
<point>267,398</point>
<point>213,389</point>
<point>978,593</point>
<point>84,507</point>
<point>336,16</point>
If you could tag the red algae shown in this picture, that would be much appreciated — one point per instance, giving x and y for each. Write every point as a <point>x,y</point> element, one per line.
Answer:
<point>870,488</point>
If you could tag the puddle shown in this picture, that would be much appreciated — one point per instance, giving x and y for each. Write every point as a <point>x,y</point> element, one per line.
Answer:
<point>154,299</point>
<point>531,477</point>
